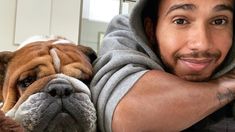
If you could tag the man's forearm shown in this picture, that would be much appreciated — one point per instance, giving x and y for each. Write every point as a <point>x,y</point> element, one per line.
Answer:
<point>164,102</point>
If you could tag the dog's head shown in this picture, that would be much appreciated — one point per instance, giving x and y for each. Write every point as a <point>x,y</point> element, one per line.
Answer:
<point>43,85</point>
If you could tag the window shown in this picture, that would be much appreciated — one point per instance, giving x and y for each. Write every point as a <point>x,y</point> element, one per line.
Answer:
<point>100,10</point>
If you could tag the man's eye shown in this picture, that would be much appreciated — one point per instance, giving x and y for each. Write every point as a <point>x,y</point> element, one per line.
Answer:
<point>26,82</point>
<point>219,22</point>
<point>180,21</point>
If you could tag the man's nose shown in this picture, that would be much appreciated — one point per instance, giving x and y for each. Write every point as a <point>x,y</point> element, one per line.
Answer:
<point>201,39</point>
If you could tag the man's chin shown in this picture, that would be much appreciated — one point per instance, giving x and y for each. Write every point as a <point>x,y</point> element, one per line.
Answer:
<point>195,78</point>
<point>189,75</point>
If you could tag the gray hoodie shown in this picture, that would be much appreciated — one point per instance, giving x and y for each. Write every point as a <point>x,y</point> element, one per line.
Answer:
<point>124,57</point>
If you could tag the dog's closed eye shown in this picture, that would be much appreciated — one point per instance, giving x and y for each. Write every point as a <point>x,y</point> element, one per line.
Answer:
<point>26,82</point>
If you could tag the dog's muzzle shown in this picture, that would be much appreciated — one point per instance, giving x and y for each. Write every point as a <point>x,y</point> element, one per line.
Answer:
<point>64,104</point>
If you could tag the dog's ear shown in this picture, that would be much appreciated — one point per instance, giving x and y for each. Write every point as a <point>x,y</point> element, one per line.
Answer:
<point>5,57</point>
<point>88,51</point>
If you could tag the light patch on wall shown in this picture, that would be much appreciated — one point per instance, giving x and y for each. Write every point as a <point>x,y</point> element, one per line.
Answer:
<point>100,10</point>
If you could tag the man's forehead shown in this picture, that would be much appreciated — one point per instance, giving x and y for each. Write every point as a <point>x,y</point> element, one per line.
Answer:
<point>190,5</point>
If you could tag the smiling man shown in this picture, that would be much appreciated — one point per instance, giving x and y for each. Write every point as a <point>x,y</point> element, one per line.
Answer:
<point>194,37</point>
<point>168,67</point>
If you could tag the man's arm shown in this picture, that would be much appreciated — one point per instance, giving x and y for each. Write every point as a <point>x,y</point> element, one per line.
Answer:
<point>163,102</point>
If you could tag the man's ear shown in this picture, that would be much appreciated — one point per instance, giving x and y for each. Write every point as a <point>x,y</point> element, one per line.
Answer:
<point>149,29</point>
<point>5,57</point>
<point>89,52</point>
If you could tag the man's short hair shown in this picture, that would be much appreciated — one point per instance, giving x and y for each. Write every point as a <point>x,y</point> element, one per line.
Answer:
<point>151,10</point>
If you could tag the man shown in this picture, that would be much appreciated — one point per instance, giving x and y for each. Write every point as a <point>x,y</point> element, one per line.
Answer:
<point>169,67</point>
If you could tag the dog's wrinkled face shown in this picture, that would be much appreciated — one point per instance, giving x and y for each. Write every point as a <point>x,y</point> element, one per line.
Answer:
<point>43,86</point>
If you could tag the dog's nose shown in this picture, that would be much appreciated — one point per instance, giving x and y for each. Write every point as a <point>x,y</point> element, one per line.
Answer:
<point>60,90</point>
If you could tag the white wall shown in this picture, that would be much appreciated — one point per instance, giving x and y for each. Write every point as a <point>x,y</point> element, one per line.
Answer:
<point>90,31</point>
<point>47,17</point>
<point>7,24</point>
<point>18,21</point>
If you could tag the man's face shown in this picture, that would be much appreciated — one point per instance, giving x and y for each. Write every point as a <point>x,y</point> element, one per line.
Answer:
<point>194,36</point>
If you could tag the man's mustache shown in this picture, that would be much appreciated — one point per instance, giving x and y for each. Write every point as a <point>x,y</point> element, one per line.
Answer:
<point>200,54</point>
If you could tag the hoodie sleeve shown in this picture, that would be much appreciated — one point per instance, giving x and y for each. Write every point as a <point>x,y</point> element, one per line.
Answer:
<point>120,63</point>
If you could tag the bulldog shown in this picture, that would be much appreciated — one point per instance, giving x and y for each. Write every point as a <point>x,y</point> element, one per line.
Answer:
<point>44,85</point>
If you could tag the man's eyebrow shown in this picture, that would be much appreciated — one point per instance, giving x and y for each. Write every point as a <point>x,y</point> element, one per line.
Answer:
<point>190,7</point>
<point>224,7</point>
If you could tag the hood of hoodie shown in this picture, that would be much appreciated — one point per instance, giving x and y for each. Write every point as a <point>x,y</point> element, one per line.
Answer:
<point>136,25</point>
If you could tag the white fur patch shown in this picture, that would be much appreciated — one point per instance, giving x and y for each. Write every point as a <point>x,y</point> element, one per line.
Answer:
<point>44,38</point>
<point>36,39</point>
<point>62,41</point>
<point>11,113</point>
<point>56,59</point>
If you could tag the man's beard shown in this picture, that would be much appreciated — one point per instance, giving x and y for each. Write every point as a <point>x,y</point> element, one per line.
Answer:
<point>193,55</point>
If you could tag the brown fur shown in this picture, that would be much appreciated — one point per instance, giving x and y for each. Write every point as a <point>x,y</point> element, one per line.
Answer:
<point>13,66</point>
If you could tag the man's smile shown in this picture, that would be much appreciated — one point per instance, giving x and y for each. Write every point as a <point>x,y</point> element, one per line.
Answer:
<point>196,64</point>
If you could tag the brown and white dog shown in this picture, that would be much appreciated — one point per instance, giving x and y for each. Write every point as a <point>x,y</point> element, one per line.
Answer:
<point>43,85</point>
